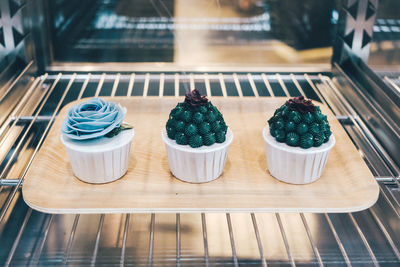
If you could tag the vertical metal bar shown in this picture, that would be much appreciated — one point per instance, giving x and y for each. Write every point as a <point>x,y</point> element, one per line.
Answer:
<point>338,241</point>
<point>38,251</point>
<point>260,247</point>
<point>285,241</point>
<point>176,84</point>
<point>237,83</point>
<point>314,247</point>
<point>310,82</point>
<point>151,242</point>
<point>146,85</point>
<point>385,232</point>
<point>7,205</point>
<point>115,86</point>
<point>96,246</point>
<point>222,82</point>
<point>70,240</point>
<point>390,81</point>
<point>18,238</point>
<point>161,89</point>
<point>365,241</point>
<point>178,239</point>
<point>297,84</point>
<point>191,79</point>
<point>16,80</point>
<point>123,250</point>
<point>268,85</point>
<point>84,85</point>
<point>100,85</point>
<point>205,241</point>
<point>130,85</point>
<point>207,83</point>
<point>253,85</point>
<point>278,76</point>
<point>235,259</point>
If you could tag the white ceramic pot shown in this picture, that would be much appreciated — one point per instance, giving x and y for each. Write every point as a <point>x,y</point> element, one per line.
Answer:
<point>295,165</point>
<point>100,160</point>
<point>196,165</point>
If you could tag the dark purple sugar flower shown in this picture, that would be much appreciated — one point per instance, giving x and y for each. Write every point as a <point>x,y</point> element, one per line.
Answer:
<point>194,99</point>
<point>300,104</point>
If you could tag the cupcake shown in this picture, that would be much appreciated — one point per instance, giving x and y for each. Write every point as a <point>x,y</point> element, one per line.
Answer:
<point>97,140</point>
<point>298,141</point>
<point>196,139</point>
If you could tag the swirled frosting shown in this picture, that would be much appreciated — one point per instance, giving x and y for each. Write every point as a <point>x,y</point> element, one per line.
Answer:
<point>91,119</point>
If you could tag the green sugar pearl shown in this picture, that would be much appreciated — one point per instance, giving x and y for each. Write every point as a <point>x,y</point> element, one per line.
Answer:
<point>290,126</point>
<point>195,141</point>
<point>292,139</point>
<point>294,116</point>
<point>209,139</point>
<point>220,137</point>
<point>302,128</point>
<point>181,139</point>
<point>190,129</point>
<point>198,118</point>
<point>308,118</point>
<point>204,128</point>
<point>306,140</point>
<point>319,139</point>
<point>186,115</point>
<point>179,126</point>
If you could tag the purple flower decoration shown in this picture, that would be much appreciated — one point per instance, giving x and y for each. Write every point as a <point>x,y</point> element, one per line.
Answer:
<point>300,104</point>
<point>194,99</point>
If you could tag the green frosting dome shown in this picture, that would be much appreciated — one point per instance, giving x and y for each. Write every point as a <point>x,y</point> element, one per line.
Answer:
<point>196,122</point>
<point>299,123</point>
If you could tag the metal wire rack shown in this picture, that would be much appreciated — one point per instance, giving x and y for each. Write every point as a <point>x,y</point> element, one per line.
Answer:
<point>28,237</point>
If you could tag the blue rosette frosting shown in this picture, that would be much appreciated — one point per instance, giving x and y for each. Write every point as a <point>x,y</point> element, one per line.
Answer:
<point>92,119</point>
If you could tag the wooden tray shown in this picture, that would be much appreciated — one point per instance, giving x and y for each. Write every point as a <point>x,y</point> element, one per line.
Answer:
<point>347,185</point>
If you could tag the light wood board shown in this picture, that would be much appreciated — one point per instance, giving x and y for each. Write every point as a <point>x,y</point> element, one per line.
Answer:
<point>346,185</point>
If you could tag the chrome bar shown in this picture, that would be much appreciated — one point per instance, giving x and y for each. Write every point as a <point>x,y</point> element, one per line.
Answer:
<point>178,239</point>
<point>237,84</point>
<point>268,85</point>
<point>18,238</point>
<point>115,85</point>
<point>16,80</point>
<point>38,251</point>
<point>285,241</point>
<point>161,89</point>
<point>222,82</point>
<point>100,85</point>
<point>340,244</point>
<point>191,80</point>
<point>84,85</point>
<point>146,85</point>
<point>205,241</point>
<point>176,84</point>
<point>123,249</point>
<point>234,255</point>
<point>207,83</point>
<point>96,246</point>
<point>130,85</point>
<point>70,240</point>
<point>259,243</point>
<point>385,233</point>
<point>279,78</point>
<point>151,241</point>
<point>314,247</point>
<point>310,82</point>
<point>296,83</point>
<point>366,244</point>
<point>392,83</point>
<point>9,182</point>
<point>27,119</point>
<point>253,85</point>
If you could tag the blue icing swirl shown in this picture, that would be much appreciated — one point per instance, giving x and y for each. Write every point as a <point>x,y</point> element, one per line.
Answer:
<point>91,119</point>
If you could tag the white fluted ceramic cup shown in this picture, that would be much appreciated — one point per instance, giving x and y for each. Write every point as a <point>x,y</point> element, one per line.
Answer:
<point>196,165</point>
<point>295,165</point>
<point>101,160</point>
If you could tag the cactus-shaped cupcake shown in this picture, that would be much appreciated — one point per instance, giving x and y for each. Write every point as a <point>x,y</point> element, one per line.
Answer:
<point>196,134</point>
<point>298,140</point>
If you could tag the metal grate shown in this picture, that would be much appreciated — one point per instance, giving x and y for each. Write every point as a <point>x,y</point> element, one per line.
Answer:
<point>28,237</point>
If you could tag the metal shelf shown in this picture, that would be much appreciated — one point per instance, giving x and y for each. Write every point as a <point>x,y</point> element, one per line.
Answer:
<point>27,237</point>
